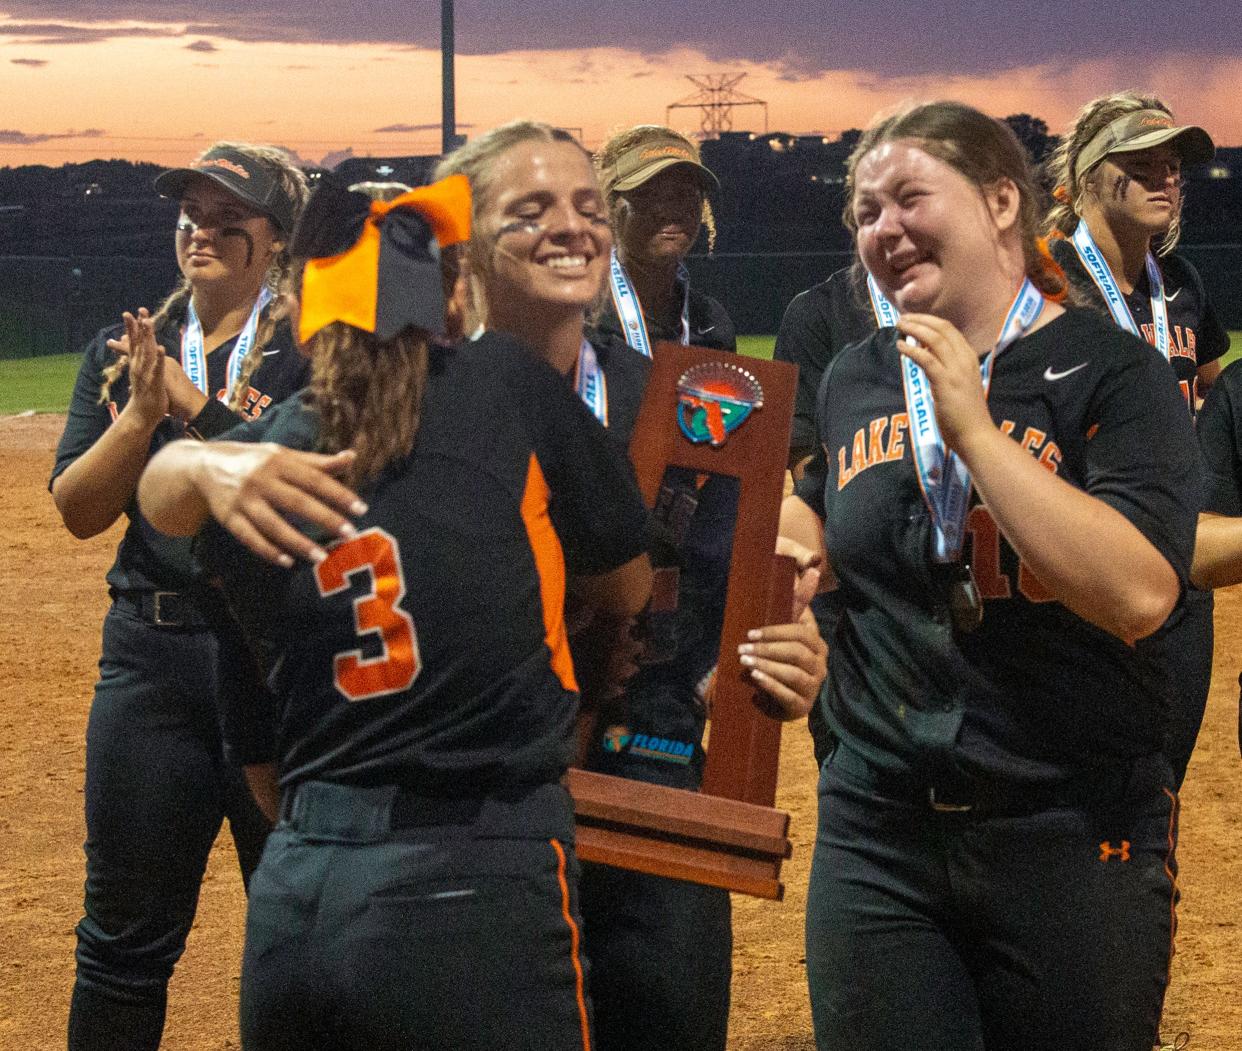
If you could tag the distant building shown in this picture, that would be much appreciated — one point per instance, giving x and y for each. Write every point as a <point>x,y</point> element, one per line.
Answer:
<point>798,158</point>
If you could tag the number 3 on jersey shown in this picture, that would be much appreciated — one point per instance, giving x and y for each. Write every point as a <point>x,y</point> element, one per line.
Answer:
<point>377,613</point>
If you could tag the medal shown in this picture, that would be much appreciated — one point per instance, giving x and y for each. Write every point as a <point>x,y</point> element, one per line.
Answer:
<point>965,605</point>
<point>943,478</point>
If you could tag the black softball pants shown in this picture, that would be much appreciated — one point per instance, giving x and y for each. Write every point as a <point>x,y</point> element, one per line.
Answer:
<point>157,791</point>
<point>1004,931</point>
<point>381,922</point>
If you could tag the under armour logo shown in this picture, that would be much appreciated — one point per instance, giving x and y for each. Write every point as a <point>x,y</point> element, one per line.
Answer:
<point>1107,850</point>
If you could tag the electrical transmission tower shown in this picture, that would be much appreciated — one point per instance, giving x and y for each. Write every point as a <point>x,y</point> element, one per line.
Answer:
<point>716,100</point>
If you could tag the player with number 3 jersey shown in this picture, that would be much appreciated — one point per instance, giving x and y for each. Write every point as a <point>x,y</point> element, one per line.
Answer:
<point>420,886</point>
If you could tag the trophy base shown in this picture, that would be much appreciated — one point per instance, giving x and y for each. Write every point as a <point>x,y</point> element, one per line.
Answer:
<point>680,834</point>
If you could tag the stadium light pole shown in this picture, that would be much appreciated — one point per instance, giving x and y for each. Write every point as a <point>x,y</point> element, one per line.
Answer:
<point>448,106</point>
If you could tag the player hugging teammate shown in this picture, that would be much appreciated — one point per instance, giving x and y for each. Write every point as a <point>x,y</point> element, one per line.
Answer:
<point>1011,623</point>
<point>419,888</point>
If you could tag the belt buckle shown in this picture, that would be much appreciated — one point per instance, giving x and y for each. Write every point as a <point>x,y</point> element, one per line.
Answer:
<point>157,610</point>
<point>947,808</point>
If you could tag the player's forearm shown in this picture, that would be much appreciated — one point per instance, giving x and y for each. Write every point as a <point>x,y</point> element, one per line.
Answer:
<point>1218,551</point>
<point>1092,559</point>
<point>168,492</point>
<point>95,489</point>
<point>618,595</point>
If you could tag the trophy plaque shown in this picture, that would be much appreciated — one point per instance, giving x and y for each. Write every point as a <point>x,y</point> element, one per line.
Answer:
<point>712,413</point>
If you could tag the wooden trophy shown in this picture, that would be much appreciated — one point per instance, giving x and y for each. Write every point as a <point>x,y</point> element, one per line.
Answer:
<point>720,414</point>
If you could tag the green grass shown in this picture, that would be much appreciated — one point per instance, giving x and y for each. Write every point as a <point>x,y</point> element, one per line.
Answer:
<point>756,346</point>
<point>43,384</point>
<point>1235,349</point>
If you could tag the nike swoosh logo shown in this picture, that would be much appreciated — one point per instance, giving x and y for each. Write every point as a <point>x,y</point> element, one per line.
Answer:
<point>269,353</point>
<point>705,331</point>
<point>1169,298</point>
<point>1052,377</point>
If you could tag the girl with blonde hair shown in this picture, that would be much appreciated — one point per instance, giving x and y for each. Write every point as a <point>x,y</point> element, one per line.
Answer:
<point>1115,225</point>
<point>419,888</point>
<point>540,251</point>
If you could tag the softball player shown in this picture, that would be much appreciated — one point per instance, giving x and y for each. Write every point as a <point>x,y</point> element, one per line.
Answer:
<point>1218,541</point>
<point>994,865</point>
<point>1115,225</point>
<point>419,889</point>
<point>656,190</point>
<point>659,949</point>
<point>157,787</point>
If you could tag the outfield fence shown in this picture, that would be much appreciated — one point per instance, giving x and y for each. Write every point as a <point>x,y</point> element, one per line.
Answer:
<point>54,305</point>
<point>756,288</point>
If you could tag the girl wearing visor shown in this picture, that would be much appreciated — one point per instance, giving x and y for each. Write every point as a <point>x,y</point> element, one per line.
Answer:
<point>656,190</point>
<point>660,950</point>
<point>157,785</point>
<point>419,889</point>
<point>656,187</point>
<point>1116,221</point>
<point>994,865</point>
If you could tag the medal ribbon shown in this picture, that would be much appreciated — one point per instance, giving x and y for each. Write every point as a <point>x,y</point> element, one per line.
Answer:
<point>943,477</point>
<point>885,313</point>
<point>590,383</point>
<point>1097,266</point>
<point>194,359</point>
<point>683,275</point>
<point>630,310</point>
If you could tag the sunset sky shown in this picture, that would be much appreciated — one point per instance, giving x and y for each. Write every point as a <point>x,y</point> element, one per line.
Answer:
<point>160,79</point>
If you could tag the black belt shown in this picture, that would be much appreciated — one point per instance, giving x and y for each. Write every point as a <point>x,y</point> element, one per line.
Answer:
<point>962,795</point>
<point>412,811</point>
<point>163,609</point>
<point>347,813</point>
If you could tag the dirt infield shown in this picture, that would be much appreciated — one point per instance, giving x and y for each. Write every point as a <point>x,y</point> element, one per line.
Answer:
<point>54,601</point>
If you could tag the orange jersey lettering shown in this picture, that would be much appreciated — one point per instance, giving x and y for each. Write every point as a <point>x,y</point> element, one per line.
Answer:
<point>869,447</point>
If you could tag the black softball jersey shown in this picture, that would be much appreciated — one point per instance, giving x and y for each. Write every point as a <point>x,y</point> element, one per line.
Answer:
<point>429,652</point>
<point>1035,692</point>
<point>147,559</point>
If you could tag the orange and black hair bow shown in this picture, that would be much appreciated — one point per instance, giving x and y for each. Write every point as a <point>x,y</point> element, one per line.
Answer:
<point>376,264</point>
